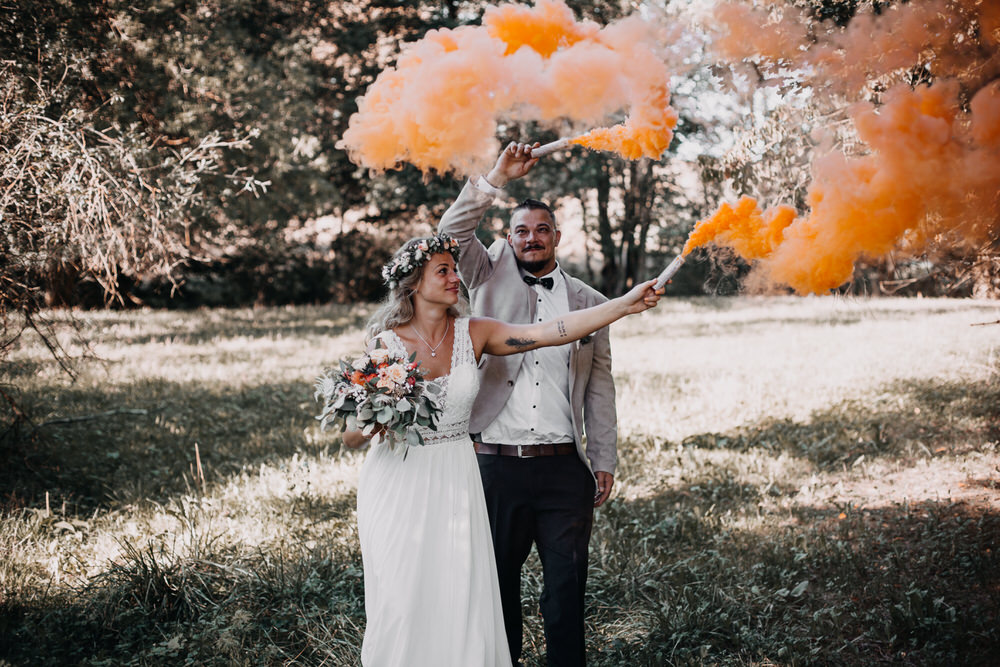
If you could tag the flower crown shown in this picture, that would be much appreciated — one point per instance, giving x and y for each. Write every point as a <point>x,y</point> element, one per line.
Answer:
<point>414,254</point>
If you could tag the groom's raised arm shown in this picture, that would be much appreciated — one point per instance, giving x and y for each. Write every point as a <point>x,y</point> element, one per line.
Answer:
<point>463,216</point>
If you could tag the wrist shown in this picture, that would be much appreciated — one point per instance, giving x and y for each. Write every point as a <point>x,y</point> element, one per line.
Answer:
<point>487,188</point>
<point>496,179</point>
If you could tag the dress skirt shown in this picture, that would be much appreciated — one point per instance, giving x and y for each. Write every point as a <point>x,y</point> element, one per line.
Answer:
<point>431,592</point>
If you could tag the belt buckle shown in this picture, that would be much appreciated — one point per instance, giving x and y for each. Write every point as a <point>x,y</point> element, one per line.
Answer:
<point>523,456</point>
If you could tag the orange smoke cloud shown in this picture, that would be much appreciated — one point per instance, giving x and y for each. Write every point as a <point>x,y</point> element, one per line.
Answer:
<point>438,108</point>
<point>957,37</point>
<point>749,231</point>
<point>646,133</point>
<point>932,177</point>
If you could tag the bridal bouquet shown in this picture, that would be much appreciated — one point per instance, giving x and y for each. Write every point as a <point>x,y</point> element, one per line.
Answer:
<point>381,393</point>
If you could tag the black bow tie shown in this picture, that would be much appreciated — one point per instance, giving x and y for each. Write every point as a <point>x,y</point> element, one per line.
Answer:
<point>547,283</point>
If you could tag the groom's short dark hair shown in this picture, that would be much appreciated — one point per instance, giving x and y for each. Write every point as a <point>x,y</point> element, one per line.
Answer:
<point>534,205</point>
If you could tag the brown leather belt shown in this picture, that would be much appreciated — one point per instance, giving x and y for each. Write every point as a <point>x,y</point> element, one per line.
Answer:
<point>526,451</point>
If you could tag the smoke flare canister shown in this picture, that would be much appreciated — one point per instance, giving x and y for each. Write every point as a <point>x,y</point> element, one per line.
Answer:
<point>668,272</point>
<point>546,149</point>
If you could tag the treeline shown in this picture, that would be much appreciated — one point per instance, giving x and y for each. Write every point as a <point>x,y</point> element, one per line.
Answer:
<point>182,153</point>
<point>153,147</point>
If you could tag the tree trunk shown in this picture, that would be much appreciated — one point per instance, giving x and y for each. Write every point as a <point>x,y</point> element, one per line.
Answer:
<point>986,277</point>
<point>60,281</point>
<point>609,272</point>
<point>635,226</point>
<point>585,228</point>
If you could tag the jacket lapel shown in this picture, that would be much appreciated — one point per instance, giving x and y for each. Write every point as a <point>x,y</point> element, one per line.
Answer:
<point>574,295</point>
<point>574,298</point>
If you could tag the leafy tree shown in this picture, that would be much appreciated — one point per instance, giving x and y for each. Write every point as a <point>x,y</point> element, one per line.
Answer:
<point>156,98</point>
<point>789,105</point>
<point>151,139</point>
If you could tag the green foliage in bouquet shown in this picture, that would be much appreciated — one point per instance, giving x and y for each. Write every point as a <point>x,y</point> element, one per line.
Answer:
<point>382,394</point>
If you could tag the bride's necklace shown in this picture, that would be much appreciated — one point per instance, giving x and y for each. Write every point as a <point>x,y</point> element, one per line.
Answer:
<point>432,348</point>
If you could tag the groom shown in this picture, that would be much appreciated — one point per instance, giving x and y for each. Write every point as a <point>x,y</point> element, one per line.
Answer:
<point>541,483</point>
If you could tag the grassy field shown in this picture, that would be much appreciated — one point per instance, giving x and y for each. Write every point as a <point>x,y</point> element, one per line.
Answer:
<point>801,481</point>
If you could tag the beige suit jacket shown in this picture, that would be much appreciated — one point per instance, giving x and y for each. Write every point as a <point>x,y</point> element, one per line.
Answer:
<point>496,290</point>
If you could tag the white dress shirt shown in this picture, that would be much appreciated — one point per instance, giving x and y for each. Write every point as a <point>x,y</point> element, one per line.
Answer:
<point>538,410</point>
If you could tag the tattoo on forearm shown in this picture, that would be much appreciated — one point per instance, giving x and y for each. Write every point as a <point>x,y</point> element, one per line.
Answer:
<point>562,328</point>
<point>520,342</point>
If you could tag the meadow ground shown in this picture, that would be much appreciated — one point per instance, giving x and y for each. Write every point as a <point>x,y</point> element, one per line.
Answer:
<point>801,481</point>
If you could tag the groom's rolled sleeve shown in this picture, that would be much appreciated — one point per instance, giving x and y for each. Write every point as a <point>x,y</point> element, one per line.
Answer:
<point>600,416</point>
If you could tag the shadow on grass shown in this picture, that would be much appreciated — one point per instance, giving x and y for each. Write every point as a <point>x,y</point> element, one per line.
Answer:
<point>699,573</point>
<point>297,605</point>
<point>908,419</point>
<point>121,328</point>
<point>910,585</point>
<point>121,458</point>
<point>670,583</point>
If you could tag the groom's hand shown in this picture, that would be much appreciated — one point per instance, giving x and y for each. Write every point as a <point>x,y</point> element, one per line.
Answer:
<point>514,162</point>
<point>605,481</point>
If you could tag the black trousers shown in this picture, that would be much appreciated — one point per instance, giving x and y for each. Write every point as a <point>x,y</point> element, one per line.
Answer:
<point>549,502</point>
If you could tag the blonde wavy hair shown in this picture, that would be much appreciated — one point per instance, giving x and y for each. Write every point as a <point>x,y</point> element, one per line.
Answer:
<point>397,308</point>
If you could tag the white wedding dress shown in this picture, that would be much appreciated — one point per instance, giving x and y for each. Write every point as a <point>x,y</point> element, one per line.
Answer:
<point>431,592</point>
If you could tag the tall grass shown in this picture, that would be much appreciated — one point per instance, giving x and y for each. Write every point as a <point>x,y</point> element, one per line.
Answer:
<point>801,481</point>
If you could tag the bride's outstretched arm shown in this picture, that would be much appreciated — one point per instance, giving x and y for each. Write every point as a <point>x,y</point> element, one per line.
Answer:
<point>502,338</point>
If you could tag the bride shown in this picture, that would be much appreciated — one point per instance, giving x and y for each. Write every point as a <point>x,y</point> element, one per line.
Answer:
<point>431,592</point>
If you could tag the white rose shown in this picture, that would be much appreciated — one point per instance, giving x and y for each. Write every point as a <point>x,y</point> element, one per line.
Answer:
<point>379,356</point>
<point>396,374</point>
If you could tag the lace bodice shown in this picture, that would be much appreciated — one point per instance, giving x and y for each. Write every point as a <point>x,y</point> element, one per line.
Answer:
<point>459,387</point>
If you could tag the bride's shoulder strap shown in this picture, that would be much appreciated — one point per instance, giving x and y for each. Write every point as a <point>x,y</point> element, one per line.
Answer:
<point>463,340</point>
<point>387,339</point>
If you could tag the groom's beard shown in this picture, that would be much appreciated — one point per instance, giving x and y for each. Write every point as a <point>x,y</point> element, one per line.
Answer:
<point>532,267</point>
